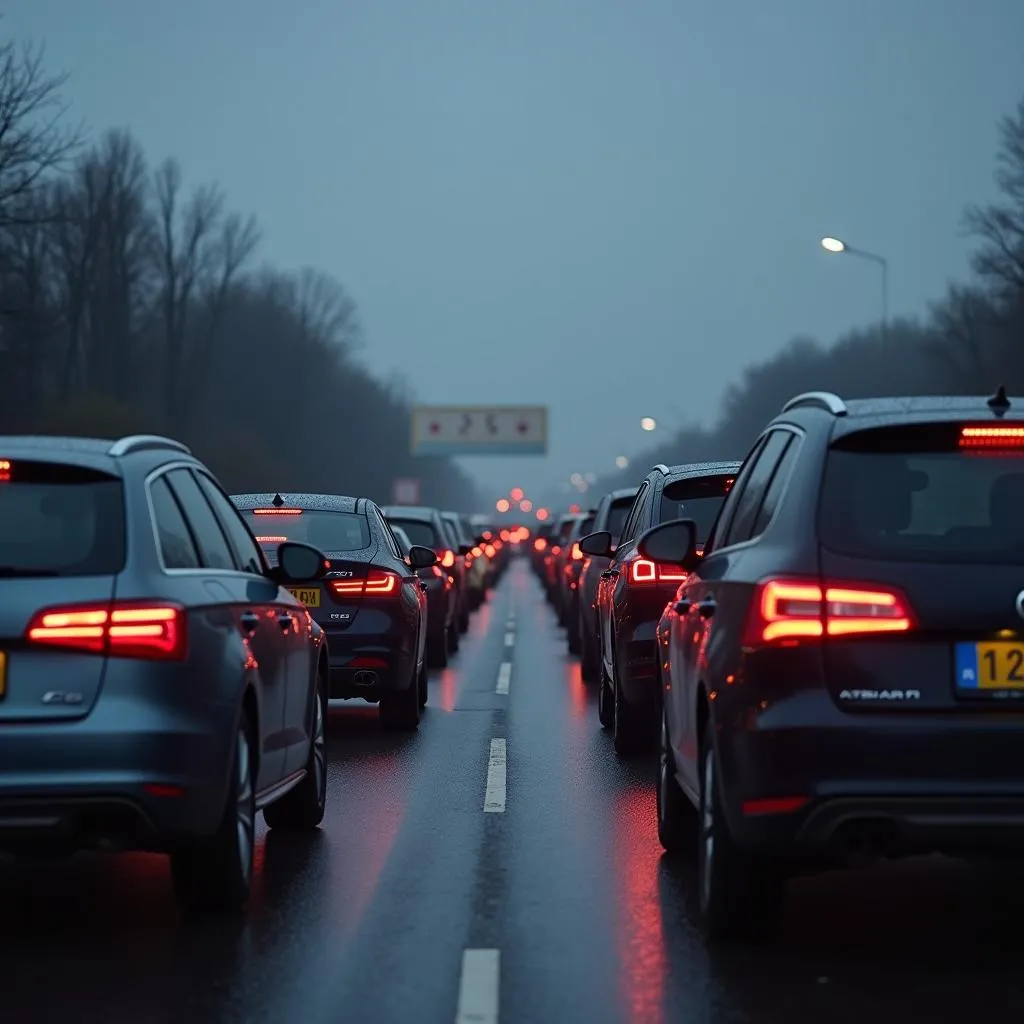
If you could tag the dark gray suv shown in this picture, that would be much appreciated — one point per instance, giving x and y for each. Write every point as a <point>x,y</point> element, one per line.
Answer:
<point>158,684</point>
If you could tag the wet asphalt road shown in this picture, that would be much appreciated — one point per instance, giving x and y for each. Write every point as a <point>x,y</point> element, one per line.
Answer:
<point>563,893</point>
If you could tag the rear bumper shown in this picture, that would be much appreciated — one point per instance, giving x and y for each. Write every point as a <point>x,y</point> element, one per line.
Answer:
<point>875,785</point>
<point>636,665</point>
<point>366,666</point>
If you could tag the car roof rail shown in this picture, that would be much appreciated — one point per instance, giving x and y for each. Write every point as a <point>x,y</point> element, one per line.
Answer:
<point>662,468</point>
<point>822,399</point>
<point>146,443</point>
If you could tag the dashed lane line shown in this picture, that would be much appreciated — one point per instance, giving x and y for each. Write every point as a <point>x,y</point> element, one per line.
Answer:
<point>478,987</point>
<point>504,677</point>
<point>494,795</point>
<point>510,639</point>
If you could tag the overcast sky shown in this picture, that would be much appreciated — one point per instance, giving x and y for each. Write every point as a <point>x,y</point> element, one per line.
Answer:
<point>609,207</point>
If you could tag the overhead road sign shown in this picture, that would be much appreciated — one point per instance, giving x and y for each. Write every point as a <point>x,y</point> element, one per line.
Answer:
<point>479,430</point>
<point>405,492</point>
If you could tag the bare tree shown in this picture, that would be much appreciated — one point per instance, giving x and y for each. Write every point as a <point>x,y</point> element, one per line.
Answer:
<point>34,139</point>
<point>325,313</point>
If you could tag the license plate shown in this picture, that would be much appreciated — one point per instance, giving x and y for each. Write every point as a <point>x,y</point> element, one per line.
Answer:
<point>3,675</point>
<point>309,596</point>
<point>990,666</point>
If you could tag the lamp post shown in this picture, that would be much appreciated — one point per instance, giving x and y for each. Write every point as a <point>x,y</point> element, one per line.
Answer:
<point>837,245</point>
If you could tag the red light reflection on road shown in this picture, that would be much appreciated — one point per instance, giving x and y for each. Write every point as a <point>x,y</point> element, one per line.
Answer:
<point>577,690</point>
<point>448,681</point>
<point>640,936</point>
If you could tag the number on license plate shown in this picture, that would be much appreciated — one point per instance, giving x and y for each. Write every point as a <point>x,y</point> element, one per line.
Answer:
<point>309,596</point>
<point>990,666</point>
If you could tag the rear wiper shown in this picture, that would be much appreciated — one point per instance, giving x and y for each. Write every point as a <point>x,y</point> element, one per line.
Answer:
<point>14,572</point>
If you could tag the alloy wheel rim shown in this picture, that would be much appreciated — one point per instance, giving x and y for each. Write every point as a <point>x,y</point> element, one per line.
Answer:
<point>245,813</point>
<point>708,824</point>
<point>319,748</point>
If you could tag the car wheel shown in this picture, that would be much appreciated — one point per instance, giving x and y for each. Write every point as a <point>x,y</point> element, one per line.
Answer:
<point>400,709</point>
<point>437,649</point>
<point>739,896</point>
<point>424,690</point>
<point>677,817</point>
<point>215,874</point>
<point>302,807</point>
<point>605,700</point>
<point>588,653</point>
<point>463,619</point>
<point>453,637</point>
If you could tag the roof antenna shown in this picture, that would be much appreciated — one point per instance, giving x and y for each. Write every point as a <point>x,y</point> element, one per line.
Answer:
<point>999,403</point>
<point>279,501</point>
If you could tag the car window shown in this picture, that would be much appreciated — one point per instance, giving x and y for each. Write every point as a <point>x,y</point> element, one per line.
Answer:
<point>247,553</point>
<point>58,519</point>
<point>389,537</point>
<point>330,531</point>
<point>214,549</point>
<point>629,528</point>
<point>742,525</point>
<point>617,514</point>
<point>177,546</point>
<point>727,513</point>
<point>777,487</point>
<point>698,498</point>
<point>418,532</point>
<point>402,539</point>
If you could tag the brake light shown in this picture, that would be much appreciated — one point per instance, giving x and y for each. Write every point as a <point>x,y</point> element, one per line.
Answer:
<point>642,572</point>
<point>489,550</point>
<point>793,610</point>
<point>992,437</point>
<point>540,544</point>
<point>5,471</point>
<point>577,554</point>
<point>271,540</point>
<point>277,511</point>
<point>477,552</point>
<point>447,559</point>
<point>556,550</point>
<point>122,630</point>
<point>378,582</point>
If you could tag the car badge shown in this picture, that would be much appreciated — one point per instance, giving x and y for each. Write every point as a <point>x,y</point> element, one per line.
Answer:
<point>1020,604</point>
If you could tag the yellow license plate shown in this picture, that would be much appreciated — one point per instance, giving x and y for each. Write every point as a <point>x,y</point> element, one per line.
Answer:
<point>309,596</point>
<point>990,666</point>
<point>3,674</point>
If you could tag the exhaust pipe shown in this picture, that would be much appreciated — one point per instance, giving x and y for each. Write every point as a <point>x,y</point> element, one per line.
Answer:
<point>365,677</point>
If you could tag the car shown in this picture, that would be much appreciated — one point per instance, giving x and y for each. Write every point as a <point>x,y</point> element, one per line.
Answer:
<point>844,678</point>
<point>426,527</point>
<point>633,591</point>
<point>572,569</point>
<point>559,536</point>
<point>558,563</point>
<point>371,602</point>
<point>462,542</point>
<point>158,683</point>
<point>541,543</point>
<point>611,513</point>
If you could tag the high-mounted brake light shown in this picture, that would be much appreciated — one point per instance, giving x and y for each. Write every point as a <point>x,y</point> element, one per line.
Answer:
<point>277,511</point>
<point>447,559</point>
<point>5,471</point>
<point>150,630</point>
<point>992,437</point>
<point>577,554</point>
<point>271,540</point>
<point>789,611</point>
<point>379,582</point>
<point>642,572</point>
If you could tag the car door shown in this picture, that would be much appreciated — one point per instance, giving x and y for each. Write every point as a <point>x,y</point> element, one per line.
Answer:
<point>414,590</point>
<point>292,619</point>
<point>252,600</point>
<point>612,576</point>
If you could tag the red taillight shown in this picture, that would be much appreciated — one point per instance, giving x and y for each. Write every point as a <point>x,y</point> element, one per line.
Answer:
<point>277,511</point>
<point>477,552</point>
<point>489,550</point>
<point>447,559</point>
<point>5,471</point>
<point>123,630</point>
<point>377,583</point>
<point>556,550</point>
<point>577,554</point>
<point>789,611</point>
<point>774,805</point>
<point>992,437</point>
<point>642,572</point>
<point>540,544</point>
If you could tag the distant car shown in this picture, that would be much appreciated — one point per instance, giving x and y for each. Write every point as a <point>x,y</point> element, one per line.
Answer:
<point>425,527</point>
<point>633,591</point>
<point>158,684</point>
<point>371,603</point>
<point>572,569</point>
<point>463,543</point>
<point>845,663</point>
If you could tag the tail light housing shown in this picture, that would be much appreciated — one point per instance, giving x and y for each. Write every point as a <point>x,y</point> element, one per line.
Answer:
<point>447,558</point>
<point>643,572</point>
<point>789,611</point>
<point>378,583</point>
<point>577,554</point>
<point>151,630</point>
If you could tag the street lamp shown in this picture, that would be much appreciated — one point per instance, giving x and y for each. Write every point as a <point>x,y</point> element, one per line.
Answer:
<point>621,462</point>
<point>837,245</point>
<point>648,423</point>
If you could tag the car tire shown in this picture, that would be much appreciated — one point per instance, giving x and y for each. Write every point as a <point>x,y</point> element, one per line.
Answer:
<point>740,896</point>
<point>589,667</point>
<point>677,817</point>
<point>463,619</point>
<point>400,709</point>
<point>437,649</point>
<point>215,874</point>
<point>605,700</point>
<point>453,637</point>
<point>424,689</point>
<point>302,808</point>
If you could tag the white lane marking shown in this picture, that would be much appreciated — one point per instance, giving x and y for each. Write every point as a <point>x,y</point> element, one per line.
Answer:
<point>504,677</point>
<point>494,795</point>
<point>510,639</point>
<point>478,987</point>
<point>511,624</point>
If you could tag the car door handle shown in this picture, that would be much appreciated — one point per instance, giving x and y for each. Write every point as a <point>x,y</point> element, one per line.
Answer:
<point>707,607</point>
<point>250,621</point>
<point>682,606</point>
<point>285,621</point>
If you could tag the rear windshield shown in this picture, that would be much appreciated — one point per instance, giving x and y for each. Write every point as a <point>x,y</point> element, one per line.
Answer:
<point>697,498</point>
<point>59,520</point>
<point>617,516</point>
<point>912,494</point>
<point>328,531</point>
<point>417,531</point>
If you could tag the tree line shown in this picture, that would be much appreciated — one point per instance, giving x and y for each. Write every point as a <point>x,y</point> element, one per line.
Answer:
<point>132,303</point>
<point>970,341</point>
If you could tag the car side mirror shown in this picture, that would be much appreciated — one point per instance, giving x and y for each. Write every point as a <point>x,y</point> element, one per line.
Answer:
<point>420,557</point>
<point>597,545</point>
<point>672,543</point>
<point>465,549</point>
<point>300,563</point>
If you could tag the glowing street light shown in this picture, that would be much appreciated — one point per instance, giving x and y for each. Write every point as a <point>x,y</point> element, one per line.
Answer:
<point>648,423</point>
<point>502,505</point>
<point>621,461</point>
<point>833,244</point>
<point>837,245</point>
